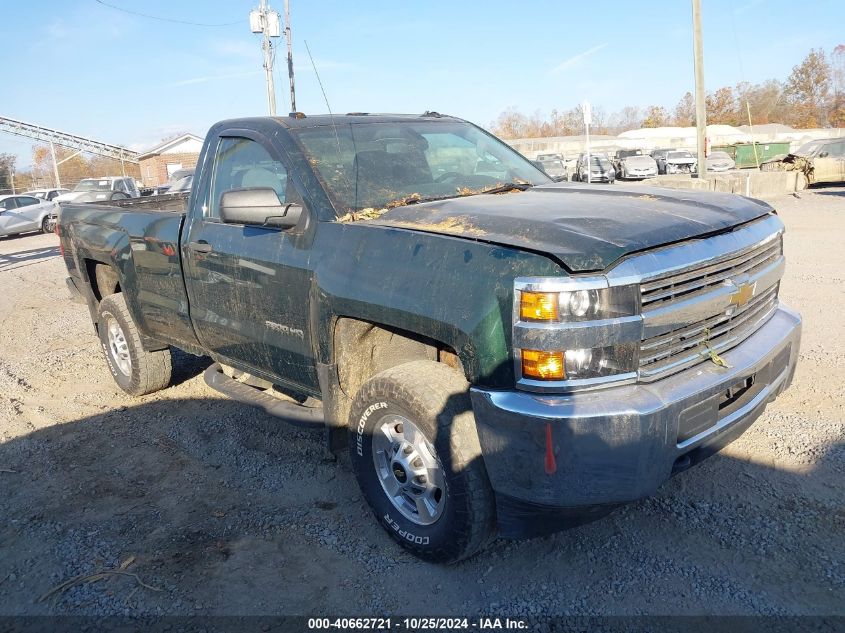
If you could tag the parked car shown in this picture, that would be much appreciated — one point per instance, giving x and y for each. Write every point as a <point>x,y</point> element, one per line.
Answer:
<point>542,157</point>
<point>183,184</point>
<point>175,177</point>
<point>657,154</point>
<point>602,169</point>
<point>24,213</point>
<point>46,194</point>
<point>98,189</point>
<point>720,161</point>
<point>554,168</point>
<point>821,161</point>
<point>634,164</point>
<point>497,352</point>
<point>677,161</point>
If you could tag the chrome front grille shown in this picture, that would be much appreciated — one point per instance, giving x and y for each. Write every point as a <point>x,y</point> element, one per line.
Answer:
<point>700,279</point>
<point>709,306</point>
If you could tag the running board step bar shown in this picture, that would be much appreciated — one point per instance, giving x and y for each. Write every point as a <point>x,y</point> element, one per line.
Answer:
<point>290,412</point>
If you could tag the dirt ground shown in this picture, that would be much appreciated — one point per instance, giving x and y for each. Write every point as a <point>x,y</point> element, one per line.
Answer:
<point>220,509</point>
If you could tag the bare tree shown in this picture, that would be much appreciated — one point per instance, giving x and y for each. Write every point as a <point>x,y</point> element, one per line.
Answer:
<point>7,166</point>
<point>684,114</point>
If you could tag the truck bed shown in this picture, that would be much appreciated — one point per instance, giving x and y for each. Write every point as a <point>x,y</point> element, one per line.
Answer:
<point>165,202</point>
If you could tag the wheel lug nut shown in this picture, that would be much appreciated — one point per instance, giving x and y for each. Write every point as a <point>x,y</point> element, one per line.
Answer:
<point>399,428</point>
<point>418,463</point>
<point>422,479</point>
<point>407,450</point>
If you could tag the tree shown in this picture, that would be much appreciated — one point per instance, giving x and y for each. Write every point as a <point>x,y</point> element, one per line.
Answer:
<point>656,116</point>
<point>7,167</point>
<point>628,118</point>
<point>721,106</point>
<point>807,90</point>
<point>684,115</point>
<point>837,106</point>
<point>765,101</point>
<point>510,124</point>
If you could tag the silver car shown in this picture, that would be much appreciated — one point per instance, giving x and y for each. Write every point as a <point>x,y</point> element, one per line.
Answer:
<point>720,161</point>
<point>21,214</point>
<point>45,194</point>
<point>637,167</point>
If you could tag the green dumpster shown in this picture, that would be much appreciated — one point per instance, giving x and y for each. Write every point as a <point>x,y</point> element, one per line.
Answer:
<point>743,153</point>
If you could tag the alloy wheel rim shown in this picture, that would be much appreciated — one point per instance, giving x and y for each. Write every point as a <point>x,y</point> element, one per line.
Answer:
<point>408,470</point>
<point>118,346</point>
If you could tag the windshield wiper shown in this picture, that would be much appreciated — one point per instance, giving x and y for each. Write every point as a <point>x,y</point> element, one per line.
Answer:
<point>508,186</point>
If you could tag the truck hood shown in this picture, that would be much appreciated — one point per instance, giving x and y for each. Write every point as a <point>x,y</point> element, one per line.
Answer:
<point>586,228</point>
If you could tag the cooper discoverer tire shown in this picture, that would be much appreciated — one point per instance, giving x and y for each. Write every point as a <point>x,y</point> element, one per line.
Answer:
<point>417,418</point>
<point>134,369</point>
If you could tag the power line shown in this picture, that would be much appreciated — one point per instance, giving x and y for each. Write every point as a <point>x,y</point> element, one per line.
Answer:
<point>161,19</point>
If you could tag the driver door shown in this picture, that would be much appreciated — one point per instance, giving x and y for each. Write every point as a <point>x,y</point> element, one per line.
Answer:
<point>249,285</point>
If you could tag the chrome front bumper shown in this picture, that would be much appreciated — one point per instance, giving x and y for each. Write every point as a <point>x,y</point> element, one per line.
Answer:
<point>610,446</point>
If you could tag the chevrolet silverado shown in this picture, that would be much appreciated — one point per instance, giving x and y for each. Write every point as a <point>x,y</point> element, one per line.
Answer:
<point>500,354</point>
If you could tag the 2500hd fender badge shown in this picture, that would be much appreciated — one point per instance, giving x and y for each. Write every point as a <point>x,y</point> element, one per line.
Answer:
<point>284,329</point>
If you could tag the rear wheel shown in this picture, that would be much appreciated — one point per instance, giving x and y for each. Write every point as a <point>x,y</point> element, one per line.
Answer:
<point>416,455</point>
<point>134,369</point>
<point>48,224</point>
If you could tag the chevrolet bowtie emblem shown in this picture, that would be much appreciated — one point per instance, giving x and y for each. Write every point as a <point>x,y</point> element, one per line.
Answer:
<point>743,294</point>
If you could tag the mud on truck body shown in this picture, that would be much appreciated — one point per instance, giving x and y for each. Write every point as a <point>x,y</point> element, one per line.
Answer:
<point>500,354</point>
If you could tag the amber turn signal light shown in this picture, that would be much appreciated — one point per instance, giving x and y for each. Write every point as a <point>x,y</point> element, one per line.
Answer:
<point>542,365</point>
<point>538,306</point>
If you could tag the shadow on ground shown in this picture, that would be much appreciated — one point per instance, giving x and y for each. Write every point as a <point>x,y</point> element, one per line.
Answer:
<point>220,509</point>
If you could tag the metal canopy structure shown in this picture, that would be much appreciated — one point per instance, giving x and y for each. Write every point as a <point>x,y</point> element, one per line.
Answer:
<point>80,143</point>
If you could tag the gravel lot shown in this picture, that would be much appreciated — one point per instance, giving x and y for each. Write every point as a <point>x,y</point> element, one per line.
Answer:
<point>221,509</point>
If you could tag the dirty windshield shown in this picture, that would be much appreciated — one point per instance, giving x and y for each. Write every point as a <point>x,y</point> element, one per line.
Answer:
<point>377,165</point>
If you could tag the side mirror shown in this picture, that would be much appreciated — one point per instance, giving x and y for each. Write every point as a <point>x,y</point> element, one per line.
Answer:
<point>258,206</point>
<point>823,154</point>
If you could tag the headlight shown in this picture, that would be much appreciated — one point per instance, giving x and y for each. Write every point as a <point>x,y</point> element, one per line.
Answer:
<point>575,332</point>
<point>578,304</point>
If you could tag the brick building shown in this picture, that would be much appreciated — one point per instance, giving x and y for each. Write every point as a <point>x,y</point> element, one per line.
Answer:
<point>158,163</point>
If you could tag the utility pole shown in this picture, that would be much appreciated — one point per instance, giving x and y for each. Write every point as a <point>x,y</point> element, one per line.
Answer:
<point>12,177</point>
<point>266,22</point>
<point>55,165</point>
<point>700,109</point>
<point>588,118</point>
<point>290,56</point>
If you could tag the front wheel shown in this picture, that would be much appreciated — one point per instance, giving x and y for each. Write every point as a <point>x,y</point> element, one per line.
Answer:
<point>134,369</point>
<point>416,455</point>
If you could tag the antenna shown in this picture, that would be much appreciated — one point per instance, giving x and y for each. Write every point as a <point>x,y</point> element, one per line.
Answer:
<point>328,107</point>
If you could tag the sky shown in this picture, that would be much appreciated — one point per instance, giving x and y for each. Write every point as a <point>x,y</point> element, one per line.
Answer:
<point>89,69</point>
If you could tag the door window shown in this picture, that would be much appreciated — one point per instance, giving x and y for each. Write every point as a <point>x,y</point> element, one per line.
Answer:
<point>8,203</point>
<point>241,163</point>
<point>25,201</point>
<point>836,150</point>
<point>119,185</point>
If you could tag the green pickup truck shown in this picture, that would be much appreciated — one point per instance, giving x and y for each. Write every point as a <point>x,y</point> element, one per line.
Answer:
<point>499,353</point>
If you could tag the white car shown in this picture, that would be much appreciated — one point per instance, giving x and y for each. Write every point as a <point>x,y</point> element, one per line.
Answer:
<point>720,161</point>
<point>21,214</point>
<point>105,188</point>
<point>45,194</point>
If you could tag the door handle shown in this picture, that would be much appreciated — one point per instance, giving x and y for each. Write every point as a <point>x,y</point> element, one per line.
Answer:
<point>200,247</point>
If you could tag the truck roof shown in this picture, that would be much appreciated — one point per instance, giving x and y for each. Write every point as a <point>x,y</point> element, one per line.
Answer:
<point>318,120</point>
